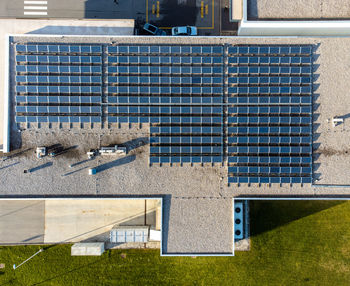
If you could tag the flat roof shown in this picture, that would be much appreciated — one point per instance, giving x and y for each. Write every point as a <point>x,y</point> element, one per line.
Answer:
<point>198,226</point>
<point>330,89</point>
<point>298,10</point>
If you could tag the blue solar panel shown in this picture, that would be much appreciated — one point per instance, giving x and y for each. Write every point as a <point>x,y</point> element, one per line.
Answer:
<point>270,117</point>
<point>59,84</point>
<point>165,77</point>
<point>179,90</point>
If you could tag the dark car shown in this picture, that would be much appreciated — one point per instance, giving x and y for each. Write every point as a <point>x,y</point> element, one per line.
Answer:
<point>154,30</point>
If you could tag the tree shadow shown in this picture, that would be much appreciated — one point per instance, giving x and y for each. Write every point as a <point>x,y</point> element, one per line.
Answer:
<point>268,215</point>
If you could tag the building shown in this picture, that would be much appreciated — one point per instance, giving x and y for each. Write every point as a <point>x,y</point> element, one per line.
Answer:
<point>208,123</point>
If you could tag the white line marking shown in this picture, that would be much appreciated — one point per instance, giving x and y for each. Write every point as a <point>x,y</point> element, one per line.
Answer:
<point>36,13</point>
<point>35,8</point>
<point>35,2</point>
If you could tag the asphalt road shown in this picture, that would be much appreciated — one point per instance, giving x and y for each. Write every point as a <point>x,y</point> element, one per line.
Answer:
<point>22,222</point>
<point>204,14</point>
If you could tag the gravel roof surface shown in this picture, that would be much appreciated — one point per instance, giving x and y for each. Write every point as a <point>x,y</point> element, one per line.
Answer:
<point>194,190</point>
<point>298,9</point>
<point>199,226</point>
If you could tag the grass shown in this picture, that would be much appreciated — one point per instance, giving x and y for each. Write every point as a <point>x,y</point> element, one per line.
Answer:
<point>293,243</point>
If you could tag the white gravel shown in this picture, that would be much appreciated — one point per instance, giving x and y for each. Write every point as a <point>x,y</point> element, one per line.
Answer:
<point>298,9</point>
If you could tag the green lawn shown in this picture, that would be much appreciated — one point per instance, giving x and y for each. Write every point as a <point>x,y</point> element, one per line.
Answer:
<point>293,243</point>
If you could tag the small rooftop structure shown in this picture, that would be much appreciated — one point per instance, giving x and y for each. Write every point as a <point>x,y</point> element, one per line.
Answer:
<point>124,234</point>
<point>336,121</point>
<point>41,152</point>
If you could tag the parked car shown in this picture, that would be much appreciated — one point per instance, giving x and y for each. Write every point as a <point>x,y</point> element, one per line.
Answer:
<point>154,30</point>
<point>184,31</point>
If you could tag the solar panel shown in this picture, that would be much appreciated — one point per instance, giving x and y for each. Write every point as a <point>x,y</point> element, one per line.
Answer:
<point>269,122</point>
<point>179,91</point>
<point>45,81</point>
<point>158,80</point>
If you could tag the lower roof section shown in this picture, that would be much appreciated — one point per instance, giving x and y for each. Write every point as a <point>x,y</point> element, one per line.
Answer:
<point>46,221</point>
<point>197,226</point>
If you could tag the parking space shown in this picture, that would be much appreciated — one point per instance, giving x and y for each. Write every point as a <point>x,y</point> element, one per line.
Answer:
<point>200,13</point>
<point>204,14</point>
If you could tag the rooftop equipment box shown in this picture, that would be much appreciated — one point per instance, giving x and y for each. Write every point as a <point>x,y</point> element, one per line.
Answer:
<point>123,234</point>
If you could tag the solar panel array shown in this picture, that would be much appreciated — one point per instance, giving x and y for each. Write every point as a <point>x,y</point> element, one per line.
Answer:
<point>256,99</point>
<point>179,90</point>
<point>269,114</point>
<point>58,83</point>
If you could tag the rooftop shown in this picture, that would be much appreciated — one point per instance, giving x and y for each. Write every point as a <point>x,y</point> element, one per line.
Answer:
<point>298,10</point>
<point>193,192</point>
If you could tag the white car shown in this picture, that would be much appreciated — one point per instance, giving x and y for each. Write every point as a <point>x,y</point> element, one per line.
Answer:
<point>184,31</point>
